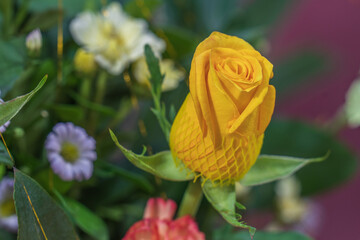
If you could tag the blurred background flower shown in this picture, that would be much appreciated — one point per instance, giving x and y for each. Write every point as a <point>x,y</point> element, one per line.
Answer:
<point>8,218</point>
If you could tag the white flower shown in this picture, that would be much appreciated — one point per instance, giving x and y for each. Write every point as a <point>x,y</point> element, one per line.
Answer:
<point>172,74</point>
<point>115,38</point>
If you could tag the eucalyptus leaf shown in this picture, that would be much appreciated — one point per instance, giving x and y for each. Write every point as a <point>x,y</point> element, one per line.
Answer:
<point>161,164</point>
<point>269,168</point>
<point>84,218</point>
<point>10,108</point>
<point>223,199</point>
<point>4,156</point>
<point>39,215</point>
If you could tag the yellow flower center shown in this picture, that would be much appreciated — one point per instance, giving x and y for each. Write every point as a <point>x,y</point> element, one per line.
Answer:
<point>7,208</point>
<point>69,152</point>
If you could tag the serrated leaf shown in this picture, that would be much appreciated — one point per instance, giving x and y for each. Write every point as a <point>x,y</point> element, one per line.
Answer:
<point>223,199</point>
<point>10,108</point>
<point>268,168</point>
<point>84,218</point>
<point>38,214</point>
<point>160,164</point>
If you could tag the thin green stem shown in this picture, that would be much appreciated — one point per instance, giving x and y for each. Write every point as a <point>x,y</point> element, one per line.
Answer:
<point>191,200</point>
<point>99,97</point>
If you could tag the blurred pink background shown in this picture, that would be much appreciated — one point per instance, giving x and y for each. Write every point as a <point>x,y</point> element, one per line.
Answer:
<point>332,26</point>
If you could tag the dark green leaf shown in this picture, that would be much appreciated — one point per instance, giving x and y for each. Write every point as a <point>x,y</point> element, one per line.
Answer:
<point>223,199</point>
<point>137,179</point>
<point>228,234</point>
<point>85,219</point>
<point>38,214</point>
<point>12,61</point>
<point>160,164</point>
<point>142,9</point>
<point>294,138</point>
<point>4,156</point>
<point>10,108</point>
<point>268,168</point>
<point>43,20</point>
<point>296,69</point>
<point>156,78</point>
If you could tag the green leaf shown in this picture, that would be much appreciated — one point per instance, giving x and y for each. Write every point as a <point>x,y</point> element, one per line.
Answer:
<point>160,164</point>
<point>269,168</point>
<point>4,156</point>
<point>10,108</point>
<point>5,235</point>
<point>84,218</point>
<point>137,179</point>
<point>143,10</point>
<point>223,199</point>
<point>38,214</point>
<point>294,138</point>
<point>12,62</point>
<point>228,234</point>
<point>156,78</point>
<point>43,20</point>
<point>294,70</point>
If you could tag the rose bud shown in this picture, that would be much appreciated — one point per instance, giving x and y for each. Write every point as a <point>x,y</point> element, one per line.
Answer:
<point>219,129</point>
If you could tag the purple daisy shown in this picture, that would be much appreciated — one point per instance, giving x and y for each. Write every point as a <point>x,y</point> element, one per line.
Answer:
<point>71,152</point>
<point>3,127</point>
<point>8,218</point>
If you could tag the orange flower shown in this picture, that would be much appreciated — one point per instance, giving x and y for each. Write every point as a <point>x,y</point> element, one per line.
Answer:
<point>218,132</point>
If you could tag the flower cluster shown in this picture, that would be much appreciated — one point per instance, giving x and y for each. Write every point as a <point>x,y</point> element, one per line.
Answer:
<point>158,224</point>
<point>8,218</point>
<point>115,38</point>
<point>71,152</point>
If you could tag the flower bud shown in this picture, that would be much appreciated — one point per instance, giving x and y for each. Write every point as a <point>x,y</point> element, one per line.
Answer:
<point>84,62</point>
<point>34,42</point>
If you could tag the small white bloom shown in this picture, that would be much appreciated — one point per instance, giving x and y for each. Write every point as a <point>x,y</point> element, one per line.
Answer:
<point>8,218</point>
<point>115,38</point>
<point>172,74</point>
<point>34,41</point>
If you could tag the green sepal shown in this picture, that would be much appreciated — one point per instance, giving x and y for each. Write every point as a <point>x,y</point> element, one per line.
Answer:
<point>39,216</point>
<point>161,164</point>
<point>223,199</point>
<point>10,108</point>
<point>268,168</point>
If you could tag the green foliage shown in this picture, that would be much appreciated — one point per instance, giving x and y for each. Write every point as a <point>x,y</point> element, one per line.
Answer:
<point>43,20</point>
<point>143,10</point>
<point>286,137</point>
<point>223,199</point>
<point>39,215</point>
<point>12,62</point>
<point>4,156</point>
<point>84,218</point>
<point>160,164</point>
<point>10,108</point>
<point>229,234</point>
<point>269,168</point>
<point>297,69</point>
<point>156,80</point>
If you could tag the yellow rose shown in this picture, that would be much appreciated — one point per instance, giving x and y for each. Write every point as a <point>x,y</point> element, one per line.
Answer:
<point>218,131</point>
